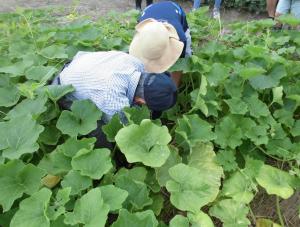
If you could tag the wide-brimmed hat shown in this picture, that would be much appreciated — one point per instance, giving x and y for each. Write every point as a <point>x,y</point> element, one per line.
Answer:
<point>156,44</point>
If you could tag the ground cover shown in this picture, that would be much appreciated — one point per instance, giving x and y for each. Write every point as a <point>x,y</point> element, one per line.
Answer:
<point>233,134</point>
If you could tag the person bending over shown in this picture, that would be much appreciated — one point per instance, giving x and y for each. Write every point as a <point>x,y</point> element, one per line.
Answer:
<point>114,80</point>
<point>174,18</point>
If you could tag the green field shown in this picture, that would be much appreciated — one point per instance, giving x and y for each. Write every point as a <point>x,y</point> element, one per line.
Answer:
<point>234,132</point>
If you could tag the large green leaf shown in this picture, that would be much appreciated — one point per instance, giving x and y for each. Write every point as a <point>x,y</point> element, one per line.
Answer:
<point>231,213</point>
<point>72,146</point>
<point>57,208</point>
<point>200,219</point>
<point>76,182</point>
<point>188,191</point>
<point>226,158</point>
<point>32,212</point>
<point>111,129</point>
<point>16,69</point>
<point>40,73</point>
<point>50,135</point>
<point>271,80</point>
<point>113,196</point>
<point>179,220</point>
<point>135,115</point>
<point>203,158</point>
<point>237,106</point>
<point>34,107</point>
<point>228,134</point>
<point>238,187</point>
<point>55,92</point>
<point>296,129</point>
<point>250,72</point>
<point>145,219</point>
<point>275,181</point>
<point>198,102</point>
<point>193,129</point>
<point>146,143</point>
<point>218,74</point>
<point>157,205</point>
<point>92,163</point>
<point>256,107</point>
<point>89,210</point>
<point>82,120</point>
<point>18,136</point>
<point>54,51</point>
<point>133,182</point>
<point>9,95</point>
<point>162,173</point>
<point>56,163</point>
<point>17,178</point>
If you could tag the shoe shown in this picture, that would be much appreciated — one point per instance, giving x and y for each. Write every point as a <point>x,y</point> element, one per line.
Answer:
<point>216,13</point>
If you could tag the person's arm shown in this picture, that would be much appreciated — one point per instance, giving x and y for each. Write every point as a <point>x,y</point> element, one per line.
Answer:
<point>176,77</point>
<point>110,103</point>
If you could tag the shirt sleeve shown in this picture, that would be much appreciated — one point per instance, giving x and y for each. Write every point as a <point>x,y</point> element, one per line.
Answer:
<point>110,103</point>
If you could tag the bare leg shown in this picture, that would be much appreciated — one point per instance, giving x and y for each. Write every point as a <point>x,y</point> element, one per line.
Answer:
<point>138,4</point>
<point>271,7</point>
<point>176,76</point>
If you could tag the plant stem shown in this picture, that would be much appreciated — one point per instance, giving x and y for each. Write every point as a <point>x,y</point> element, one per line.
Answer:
<point>252,215</point>
<point>279,212</point>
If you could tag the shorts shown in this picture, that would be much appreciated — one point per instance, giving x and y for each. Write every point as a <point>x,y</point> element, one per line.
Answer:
<point>286,6</point>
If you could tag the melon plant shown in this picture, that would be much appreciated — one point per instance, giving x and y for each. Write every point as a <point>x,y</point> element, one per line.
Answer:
<point>235,130</point>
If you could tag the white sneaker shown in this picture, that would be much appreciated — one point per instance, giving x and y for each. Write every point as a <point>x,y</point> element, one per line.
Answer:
<point>216,13</point>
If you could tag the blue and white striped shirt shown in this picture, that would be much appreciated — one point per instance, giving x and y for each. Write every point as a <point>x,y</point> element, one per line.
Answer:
<point>109,79</point>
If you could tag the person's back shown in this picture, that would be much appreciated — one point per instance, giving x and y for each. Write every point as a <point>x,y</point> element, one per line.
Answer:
<point>109,79</point>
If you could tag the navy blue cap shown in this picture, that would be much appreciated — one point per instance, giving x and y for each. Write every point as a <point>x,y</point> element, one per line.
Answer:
<point>160,91</point>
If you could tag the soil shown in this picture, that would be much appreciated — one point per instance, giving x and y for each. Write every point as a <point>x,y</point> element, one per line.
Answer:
<point>263,205</point>
<point>96,8</point>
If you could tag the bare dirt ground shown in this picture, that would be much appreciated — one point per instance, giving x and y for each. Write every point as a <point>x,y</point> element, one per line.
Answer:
<point>263,205</point>
<point>96,8</point>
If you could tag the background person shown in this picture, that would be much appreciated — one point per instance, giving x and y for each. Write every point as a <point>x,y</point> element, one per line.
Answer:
<point>286,6</point>
<point>138,4</point>
<point>216,10</point>
<point>271,8</point>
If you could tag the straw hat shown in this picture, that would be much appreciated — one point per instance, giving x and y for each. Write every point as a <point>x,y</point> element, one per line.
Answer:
<point>156,44</point>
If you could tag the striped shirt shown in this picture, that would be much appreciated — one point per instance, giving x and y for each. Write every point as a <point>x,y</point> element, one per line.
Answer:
<point>109,79</point>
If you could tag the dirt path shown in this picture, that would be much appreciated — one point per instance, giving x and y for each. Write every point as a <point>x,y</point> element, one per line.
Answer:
<point>96,8</point>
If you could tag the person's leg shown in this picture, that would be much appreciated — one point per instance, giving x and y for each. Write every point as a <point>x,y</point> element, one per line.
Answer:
<point>138,4</point>
<point>271,7</point>
<point>283,7</point>
<point>149,2</point>
<point>218,4</point>
<point>216,10</point>
<point>197,4</point>
<point>295,8</point>
<point>188,48</point>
